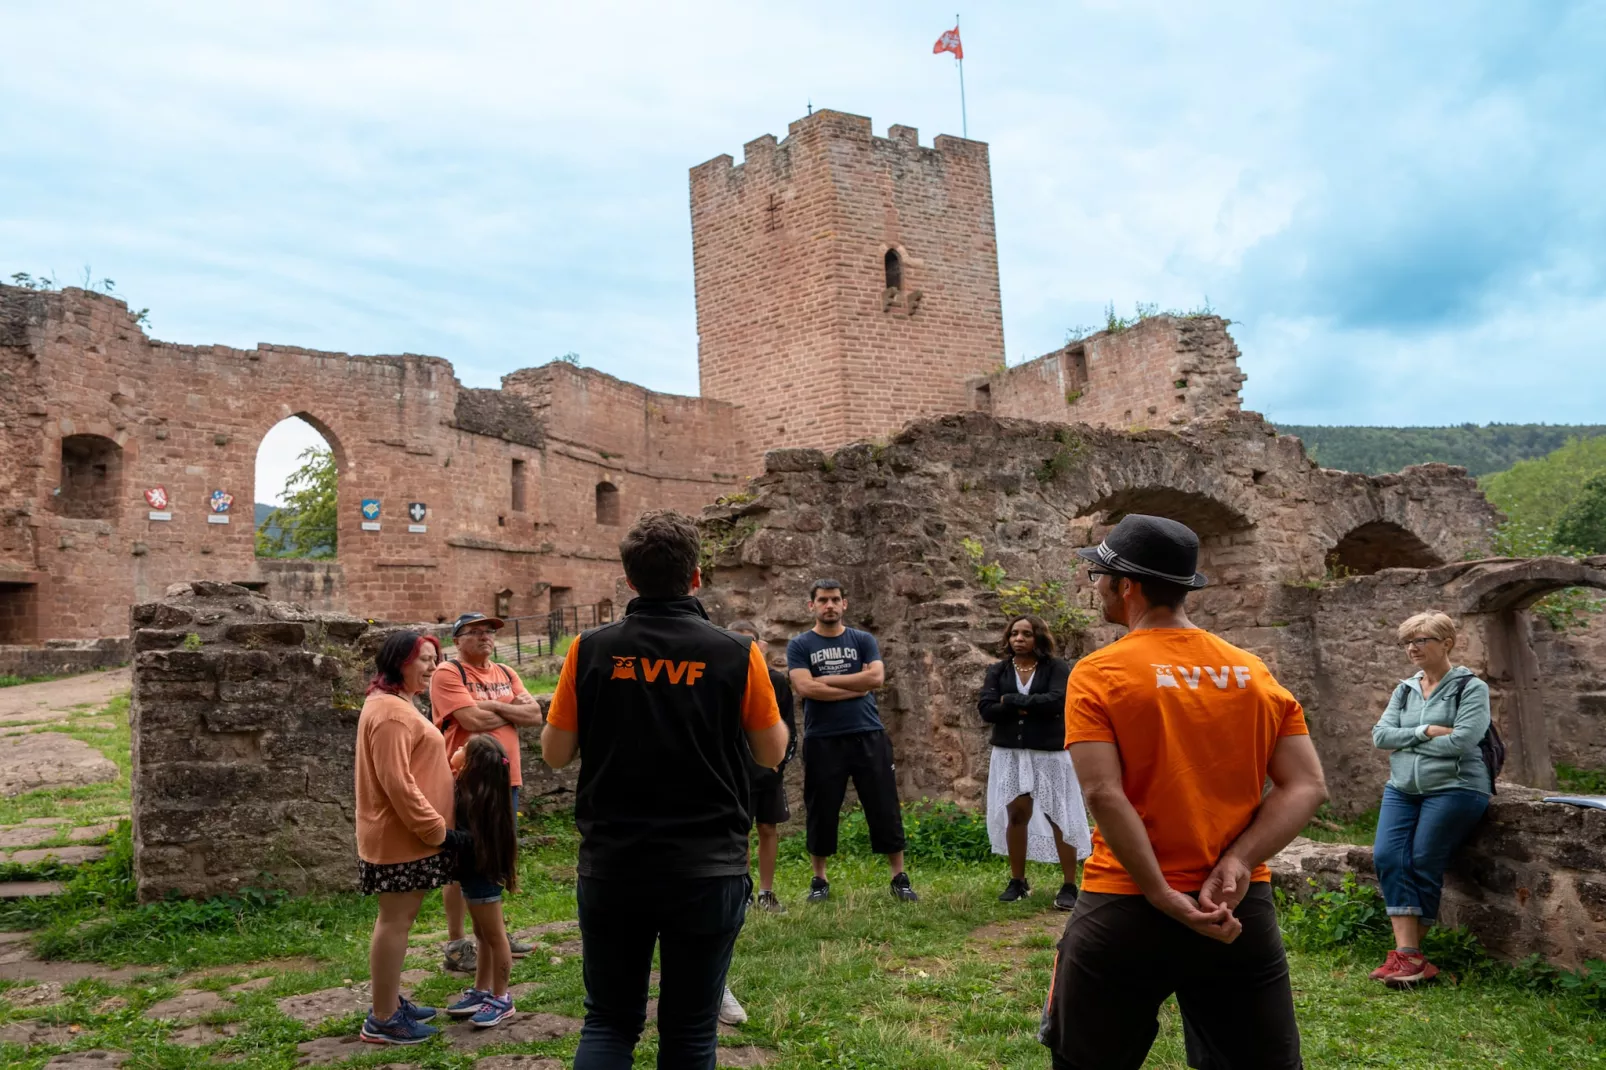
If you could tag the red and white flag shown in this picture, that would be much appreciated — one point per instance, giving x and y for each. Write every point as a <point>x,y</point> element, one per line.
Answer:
<point>949,42</point>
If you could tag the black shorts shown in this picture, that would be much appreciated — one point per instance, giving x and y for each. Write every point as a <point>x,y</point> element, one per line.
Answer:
<point>1120,958</point>
<point>769,798</point>
<point>828,765</point>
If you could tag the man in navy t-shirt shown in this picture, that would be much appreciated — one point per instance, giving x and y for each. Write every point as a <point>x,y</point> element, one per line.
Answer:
<point>836,669</point>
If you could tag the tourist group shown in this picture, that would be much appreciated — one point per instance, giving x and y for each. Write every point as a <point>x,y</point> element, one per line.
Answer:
<point>1168,737</point>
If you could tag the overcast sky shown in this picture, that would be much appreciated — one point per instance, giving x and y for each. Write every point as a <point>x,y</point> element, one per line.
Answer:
<point>1399,205</point>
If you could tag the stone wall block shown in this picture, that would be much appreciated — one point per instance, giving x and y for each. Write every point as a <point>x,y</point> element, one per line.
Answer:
<point>274,633</point>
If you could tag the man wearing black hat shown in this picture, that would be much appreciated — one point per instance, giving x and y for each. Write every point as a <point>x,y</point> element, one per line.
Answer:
<point>470,694</point>
<point>1174,732</point>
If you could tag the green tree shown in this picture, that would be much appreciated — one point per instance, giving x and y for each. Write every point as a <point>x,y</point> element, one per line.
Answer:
<point>1583,522</point>
<point>305,525</point>
<point>1537,492</point>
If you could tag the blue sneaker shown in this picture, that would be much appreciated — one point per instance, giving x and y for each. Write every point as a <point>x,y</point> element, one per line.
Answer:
<point>472,1000</point>
<point>414,1011</point>
<point>399,1028</point>
<point>493,1011</point>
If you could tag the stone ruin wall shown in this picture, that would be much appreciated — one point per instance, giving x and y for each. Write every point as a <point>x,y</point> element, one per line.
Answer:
<point>1162,372</point>
<point>190,418</point>
<point>890,521</point>
<point>245,739</point>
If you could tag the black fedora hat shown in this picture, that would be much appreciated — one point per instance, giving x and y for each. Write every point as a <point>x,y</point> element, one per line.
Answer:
<point>1150,546</point>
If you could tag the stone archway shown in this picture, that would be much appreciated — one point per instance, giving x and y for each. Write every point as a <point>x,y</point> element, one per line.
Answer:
<point>1377,545</point>
<point>1497,595</point>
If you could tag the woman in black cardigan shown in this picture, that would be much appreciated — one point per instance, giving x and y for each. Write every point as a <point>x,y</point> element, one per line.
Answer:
<point>1034,803</point>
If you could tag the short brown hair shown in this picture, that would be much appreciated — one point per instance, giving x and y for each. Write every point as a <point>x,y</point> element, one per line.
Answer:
<point>660,554</point>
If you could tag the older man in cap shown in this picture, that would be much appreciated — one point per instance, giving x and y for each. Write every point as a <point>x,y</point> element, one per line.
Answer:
<point>470,694</point>
<point>1174,733</point>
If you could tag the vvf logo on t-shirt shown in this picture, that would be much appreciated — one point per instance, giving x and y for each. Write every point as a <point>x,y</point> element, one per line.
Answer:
<point>1166,675</point>
<point>676,672</point>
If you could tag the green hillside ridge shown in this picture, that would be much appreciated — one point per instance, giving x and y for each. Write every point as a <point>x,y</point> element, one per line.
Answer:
<point>1480,450</point>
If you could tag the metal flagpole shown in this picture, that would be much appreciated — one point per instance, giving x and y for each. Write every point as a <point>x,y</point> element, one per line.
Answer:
<point>964,123</point>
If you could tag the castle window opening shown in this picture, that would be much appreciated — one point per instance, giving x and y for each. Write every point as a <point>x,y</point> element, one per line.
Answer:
<point>894,267</point>
<point>297,483</point>
<point>518,486</point>
<point>1073,368</point>
<point>504,599</point>
<point>607,504</point>
<point>91,477</point>
<point>18,613</point>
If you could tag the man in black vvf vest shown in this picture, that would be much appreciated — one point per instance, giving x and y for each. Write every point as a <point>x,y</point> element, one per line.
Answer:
<point>662,708</point>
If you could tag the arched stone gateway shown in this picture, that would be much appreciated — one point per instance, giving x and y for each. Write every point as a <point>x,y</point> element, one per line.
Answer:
<point>1377,545</point>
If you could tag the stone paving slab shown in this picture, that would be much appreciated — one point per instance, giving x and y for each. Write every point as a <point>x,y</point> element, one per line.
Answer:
<point>518,1062</point>
<point>313,1007</point>
<point>55,696</point>
<point>50,760</point>
<point>75,855</point>
<point>18,963</point>
<point>327,1051</point>
<point>88,1060</point>
<point>745,1056</point>
<point>193,1003</point>
<point>26,835</point>
<point>31,1032</point>
<point>198,1036</point>
<point>47,994</point>
<point>23,889</point>
<point>520,1029</point>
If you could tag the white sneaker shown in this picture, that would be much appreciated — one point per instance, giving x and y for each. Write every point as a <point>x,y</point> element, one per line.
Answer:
<point>730,1011</point>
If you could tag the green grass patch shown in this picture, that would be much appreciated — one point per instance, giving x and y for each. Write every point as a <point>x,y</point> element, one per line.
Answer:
<point>1580,781</point>
<point>861,981</point>
<point>1326,827</point>
<point>105,729</point>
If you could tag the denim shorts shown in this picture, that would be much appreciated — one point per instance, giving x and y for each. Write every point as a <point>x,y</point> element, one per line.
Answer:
<point>477,889</point>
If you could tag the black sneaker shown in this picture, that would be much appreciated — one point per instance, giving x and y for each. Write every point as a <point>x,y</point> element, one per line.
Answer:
<point>819,890</point>
<point>1017,888</point>
<point>902,890</point>
<point>1066,900</point>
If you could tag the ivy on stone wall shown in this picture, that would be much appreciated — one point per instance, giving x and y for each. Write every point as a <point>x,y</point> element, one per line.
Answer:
<point>1048,600</point>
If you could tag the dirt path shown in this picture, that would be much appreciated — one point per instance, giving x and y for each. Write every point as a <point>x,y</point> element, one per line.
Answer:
<point>46,701</point>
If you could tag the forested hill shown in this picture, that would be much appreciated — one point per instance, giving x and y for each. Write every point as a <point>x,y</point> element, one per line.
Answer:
<point>1480,450</point>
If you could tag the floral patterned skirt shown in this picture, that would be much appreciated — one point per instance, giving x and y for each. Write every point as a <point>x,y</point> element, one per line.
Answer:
<point>419,875</point>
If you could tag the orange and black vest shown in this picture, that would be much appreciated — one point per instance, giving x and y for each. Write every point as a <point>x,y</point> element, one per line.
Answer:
<point>664,781</point>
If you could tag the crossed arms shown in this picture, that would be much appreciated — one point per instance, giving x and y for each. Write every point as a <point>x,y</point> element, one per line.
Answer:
<point>837,688</point>
<point>486,714</point>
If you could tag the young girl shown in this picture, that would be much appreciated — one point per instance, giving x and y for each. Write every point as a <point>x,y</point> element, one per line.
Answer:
<point>484,807</point>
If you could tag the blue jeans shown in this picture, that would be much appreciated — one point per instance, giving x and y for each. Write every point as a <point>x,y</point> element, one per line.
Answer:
<point>694,922</point>
<point>1416,834</point>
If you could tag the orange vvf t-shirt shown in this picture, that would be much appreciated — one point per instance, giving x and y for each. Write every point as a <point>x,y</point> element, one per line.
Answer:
<point>449,691</point>
<point>1195,720</point>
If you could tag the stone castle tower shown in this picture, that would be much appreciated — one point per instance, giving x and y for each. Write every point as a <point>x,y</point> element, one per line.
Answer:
<point>846,283</point>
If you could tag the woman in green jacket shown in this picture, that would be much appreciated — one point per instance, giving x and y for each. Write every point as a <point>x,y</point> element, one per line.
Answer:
<point>1438,787</point>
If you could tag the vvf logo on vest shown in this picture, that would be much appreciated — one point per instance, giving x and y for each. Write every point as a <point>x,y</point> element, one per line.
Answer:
<point>1166,675</point>
<point>676,672</point>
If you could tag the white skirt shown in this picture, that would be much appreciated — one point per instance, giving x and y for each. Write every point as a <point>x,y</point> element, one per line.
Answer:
<point>1050,779</point>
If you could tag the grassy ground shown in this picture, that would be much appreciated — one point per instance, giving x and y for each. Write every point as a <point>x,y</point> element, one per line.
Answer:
<point>107,730</point>
<point>861,982</point>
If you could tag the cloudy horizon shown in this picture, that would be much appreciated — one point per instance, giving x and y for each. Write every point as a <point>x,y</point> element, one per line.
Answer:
<point>1397,205</point>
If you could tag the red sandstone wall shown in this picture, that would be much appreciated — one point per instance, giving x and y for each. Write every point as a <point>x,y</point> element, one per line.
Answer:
<point>190,418</point>
<point>1164,371</point>
<point>793,317</point>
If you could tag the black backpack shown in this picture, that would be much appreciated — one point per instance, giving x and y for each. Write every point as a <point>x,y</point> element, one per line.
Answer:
<point>1491,746</point>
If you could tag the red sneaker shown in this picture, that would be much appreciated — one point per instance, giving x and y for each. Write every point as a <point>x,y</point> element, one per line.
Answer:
<point>1412,968</point>
<point>1391,963</point>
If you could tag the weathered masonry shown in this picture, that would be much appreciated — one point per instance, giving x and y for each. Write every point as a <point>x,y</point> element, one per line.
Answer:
<point>846,283</point>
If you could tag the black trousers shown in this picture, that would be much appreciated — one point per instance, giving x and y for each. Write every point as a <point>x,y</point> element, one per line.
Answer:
<point>1120,958</point>
<point>866,759</point>
<point>694,922</point>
